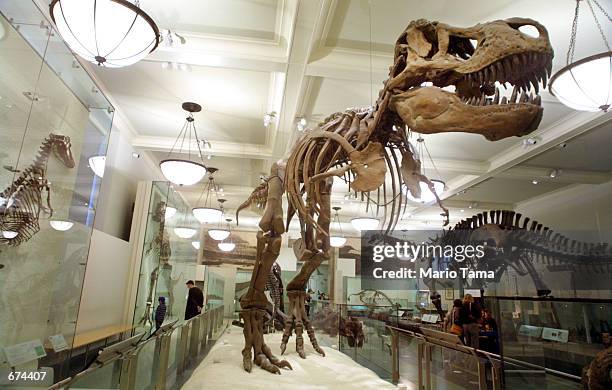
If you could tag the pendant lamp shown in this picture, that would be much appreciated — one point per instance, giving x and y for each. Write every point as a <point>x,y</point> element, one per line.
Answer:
<point>426,195</point>
<point>227,246</point>
<point>207,213</point>
<point>586,84</point>
<point>337,241</point>
<point>219,234</point>
<point>187,171</point>
<point>109,33</point>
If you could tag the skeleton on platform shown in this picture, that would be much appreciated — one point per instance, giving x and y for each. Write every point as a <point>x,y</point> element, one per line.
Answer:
<point>366,147</point>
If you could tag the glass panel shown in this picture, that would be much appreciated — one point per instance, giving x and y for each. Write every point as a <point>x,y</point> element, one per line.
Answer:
<point>106,377</point>
<point>172,359</point>
<point>453,370</point>
<point>52,120</point>
<point>144,370</point>
<point>408,362</point>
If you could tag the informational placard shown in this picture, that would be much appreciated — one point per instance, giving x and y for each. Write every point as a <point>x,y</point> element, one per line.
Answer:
<point>558,335</point>
<point>58,342</point>
<point>530,331</point>
<point>25,352</point>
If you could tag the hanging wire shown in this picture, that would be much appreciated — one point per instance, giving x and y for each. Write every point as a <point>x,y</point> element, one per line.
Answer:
<point>603,36</point>
<point>572,44</point>
<point>372,103</point>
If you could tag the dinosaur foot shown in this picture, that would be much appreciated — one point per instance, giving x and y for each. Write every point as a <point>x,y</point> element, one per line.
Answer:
<point>254,343</point>
<point>298,322</point>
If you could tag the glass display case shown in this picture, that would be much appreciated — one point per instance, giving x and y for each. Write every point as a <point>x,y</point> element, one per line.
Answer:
<point>53,120</point>
<point>168,259</point>
<point>558,334</point>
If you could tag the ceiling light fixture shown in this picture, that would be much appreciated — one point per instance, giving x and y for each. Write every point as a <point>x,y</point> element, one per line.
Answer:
<point>227,246</point>
<point>219,234</point>
<point>534,181</point>
<point>269,118</point>
<point>196,245</point>
<point>184,232</point>
<point>586,84</point>
<point>61,226</point>
<point>97,165</point>
<point>110,33</point>
<point>301,124</point>
<point>207,213</point>
<point>365,223</point>
<point>427,195</point>
<point>185,171</point>
<point>337,241</point>
<point>554,173</point>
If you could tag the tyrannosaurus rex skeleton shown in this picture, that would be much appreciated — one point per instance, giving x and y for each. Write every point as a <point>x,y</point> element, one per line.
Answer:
<point>365,147</point>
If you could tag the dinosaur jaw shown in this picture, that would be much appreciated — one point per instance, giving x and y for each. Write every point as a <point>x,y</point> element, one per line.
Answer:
<point>431,110</point>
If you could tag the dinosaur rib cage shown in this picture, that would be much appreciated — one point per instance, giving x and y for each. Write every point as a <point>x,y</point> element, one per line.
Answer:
<point>557,251</point>
<point>22,215</point>
<point>315,155</point>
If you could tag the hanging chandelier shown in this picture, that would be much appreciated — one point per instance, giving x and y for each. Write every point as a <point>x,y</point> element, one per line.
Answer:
<point>169,213</point>
<point>426,195</point>
<point>183,228</point>
<point>207,213</point>
<point>185,171</point>
<point>586,84</point>
<point>61,225</point>
<point>196,245</point>
<point>110,33</point>
<point>227,246</point>
<point>337,241</point>
<point>365,223</point>
<point>219,234</point>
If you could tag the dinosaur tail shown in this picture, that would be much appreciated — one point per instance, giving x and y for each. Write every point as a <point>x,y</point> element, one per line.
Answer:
<point>258,196</point>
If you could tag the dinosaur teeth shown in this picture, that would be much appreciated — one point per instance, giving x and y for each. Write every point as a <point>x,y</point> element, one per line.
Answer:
<point>514,93</point>
<point>504,100</point>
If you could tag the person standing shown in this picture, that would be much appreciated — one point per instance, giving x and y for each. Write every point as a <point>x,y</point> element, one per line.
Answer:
<point>470,315</point>
<point>195,300</point>
<point>160,312</point>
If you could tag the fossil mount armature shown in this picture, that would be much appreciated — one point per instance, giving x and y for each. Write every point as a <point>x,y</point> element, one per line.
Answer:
<point>22,201</point>
<point>369,148</point>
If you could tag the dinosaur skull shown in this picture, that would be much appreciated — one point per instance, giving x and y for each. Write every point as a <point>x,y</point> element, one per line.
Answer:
<point>444,78</point>
<point>62,149</point>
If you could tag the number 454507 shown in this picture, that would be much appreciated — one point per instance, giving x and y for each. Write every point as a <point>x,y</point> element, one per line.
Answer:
<point>27,375</point>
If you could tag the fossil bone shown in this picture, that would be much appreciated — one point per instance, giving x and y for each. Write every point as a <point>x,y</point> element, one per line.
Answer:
<point>22,201</point>
<point>361,146</point>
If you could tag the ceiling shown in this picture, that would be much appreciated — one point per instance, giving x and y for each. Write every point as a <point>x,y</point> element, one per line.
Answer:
<point>242,59</point>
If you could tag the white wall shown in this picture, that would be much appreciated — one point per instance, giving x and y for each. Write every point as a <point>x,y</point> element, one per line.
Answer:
<point>105,285</point>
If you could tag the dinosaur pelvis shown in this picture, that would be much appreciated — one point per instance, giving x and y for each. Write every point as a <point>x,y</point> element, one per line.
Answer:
<point>369,167</point>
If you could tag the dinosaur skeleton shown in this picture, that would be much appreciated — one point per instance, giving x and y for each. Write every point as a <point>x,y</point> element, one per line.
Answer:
<point>22,201</point>
<point>511,241</point>
<point>160,246</point>
<point>362,147</point>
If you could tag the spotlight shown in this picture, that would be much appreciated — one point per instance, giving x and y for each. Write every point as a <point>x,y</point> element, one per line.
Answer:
<point>269,118</point>
<point>554,173</point>
<point>534,181</point>
<point>529,142</point>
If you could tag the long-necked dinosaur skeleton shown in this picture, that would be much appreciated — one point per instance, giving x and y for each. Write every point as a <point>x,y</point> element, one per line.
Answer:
<point>514,242</point>
<point>22,201</point>
<point>362,146</point>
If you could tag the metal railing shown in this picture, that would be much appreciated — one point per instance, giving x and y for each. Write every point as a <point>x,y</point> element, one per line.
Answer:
<point>489,370</point>
<point>157,362</point>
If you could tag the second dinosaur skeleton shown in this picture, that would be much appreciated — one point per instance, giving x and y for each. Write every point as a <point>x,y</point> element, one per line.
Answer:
<point>369,148</point>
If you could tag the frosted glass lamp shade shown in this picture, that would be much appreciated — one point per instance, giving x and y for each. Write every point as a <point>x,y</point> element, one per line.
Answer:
<point>365,223</point>
<point>61,226</point>
<point>218,234</point>
<point>110,33</point>
<point>226,246</point>
<point>196,245</point>
<point>337,241</point>
<point>9,234</point>
<point>207,214</point>
<point>97,165</point>
<point>184,232</point>
<point>426,194</point>
<point>585,85</point>
<point>182,172</point>
<point>170,212</point>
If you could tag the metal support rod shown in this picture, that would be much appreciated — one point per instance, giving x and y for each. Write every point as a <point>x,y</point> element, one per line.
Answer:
<point>395,374</point>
